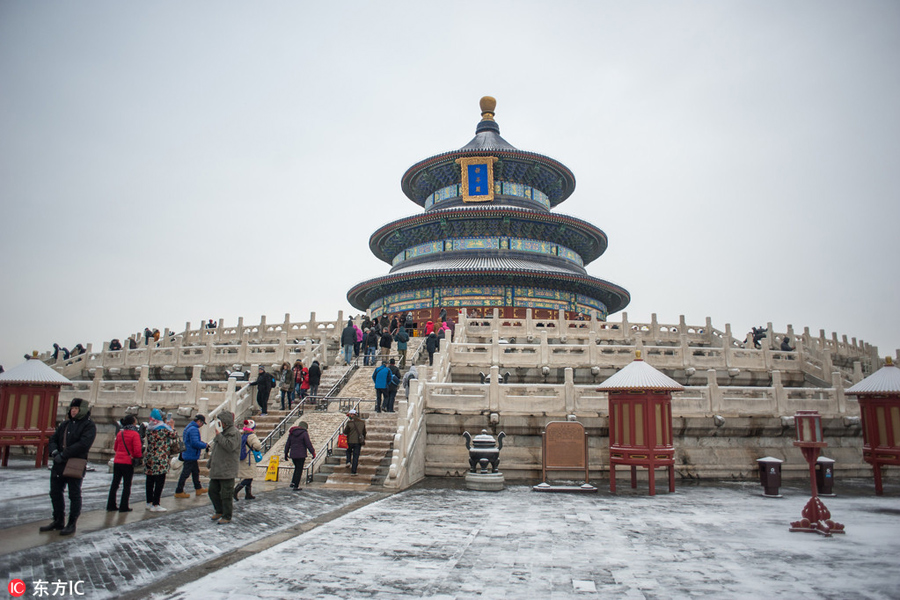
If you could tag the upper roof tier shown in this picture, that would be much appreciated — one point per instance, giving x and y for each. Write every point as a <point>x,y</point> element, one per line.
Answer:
<point>516,166</point>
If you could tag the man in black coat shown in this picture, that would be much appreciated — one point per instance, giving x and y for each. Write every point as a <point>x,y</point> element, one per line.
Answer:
<point>263,385</point>
<point>385,344</point>
<point>72,439</point>
<point>348,341</point>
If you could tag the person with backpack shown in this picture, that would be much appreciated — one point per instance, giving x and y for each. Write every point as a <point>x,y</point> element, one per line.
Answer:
<point>402,338</point>
<point>286,379</point>
<point>371,346</point>
<point>382,378</point>
<point>431,345</point>
<point>393,386</point>
<point>249,444</point>
<point>355,430</point>
<point>314,376</point>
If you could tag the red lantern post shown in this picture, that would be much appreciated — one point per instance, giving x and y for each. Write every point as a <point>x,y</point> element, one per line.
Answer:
<point>816,518</point>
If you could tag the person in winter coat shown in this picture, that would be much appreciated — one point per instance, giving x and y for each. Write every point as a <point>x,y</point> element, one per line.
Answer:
<point>359,338</point>
<point>247,469</point>
<point>429,327</point>
<point>395,325</point>
<point>304,382</point>
<point>413,373</point>
<point>348,339</point>
<point>355,430</point>
<point>263,385</point>
<point>393,386</point>
<point>371,345</point>
<point>161,441</point>
<point>224,462</point>
<point>314,377</point>
<point>127,447</point>
<point>381,377</point>
<point>72,439</point>
<point>385,344</point>
<point>193,445</point>
<point>402,338</point>
<point>286,384</point>
<point>431,345</point>
<point>295,448</point>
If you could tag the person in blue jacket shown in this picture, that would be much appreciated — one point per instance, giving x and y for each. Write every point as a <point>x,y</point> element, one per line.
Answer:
<point>193,445</point>
<point>381,377</point>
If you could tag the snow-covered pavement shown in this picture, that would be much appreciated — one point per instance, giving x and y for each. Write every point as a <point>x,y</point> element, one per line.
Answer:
<point>438,540</point>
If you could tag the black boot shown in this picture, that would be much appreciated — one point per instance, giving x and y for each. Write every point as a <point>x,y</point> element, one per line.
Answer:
<point>55,525</point>
<point>237,488</point>
<point>69,528</point>
<point>249,495</point>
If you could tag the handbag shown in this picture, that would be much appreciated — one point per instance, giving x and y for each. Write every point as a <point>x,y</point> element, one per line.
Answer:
<point>257,456</point>
<point>342,441</point>
<point>75,467</point>
<point>175,464</point>
<point>136,461</point>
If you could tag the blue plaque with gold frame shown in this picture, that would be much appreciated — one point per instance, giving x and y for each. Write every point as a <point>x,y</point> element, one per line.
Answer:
<point>477,178</point>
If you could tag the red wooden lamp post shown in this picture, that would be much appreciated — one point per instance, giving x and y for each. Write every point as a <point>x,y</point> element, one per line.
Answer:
<point>816,518</point>
<point>29,394</point>
<point>879,409</point>
<point>640,422</point>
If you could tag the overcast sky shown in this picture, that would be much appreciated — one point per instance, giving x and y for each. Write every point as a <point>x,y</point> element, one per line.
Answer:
<point>164,162</point>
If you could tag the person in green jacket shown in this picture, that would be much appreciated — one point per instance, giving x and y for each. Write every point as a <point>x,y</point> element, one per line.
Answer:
<point>224,462</point>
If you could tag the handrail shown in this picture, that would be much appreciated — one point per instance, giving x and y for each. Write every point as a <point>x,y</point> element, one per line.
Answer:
<point>329,445</point>
<point>281,427</point>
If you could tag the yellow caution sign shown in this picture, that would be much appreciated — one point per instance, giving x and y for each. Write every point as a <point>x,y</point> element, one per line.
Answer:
<point>272,471</point>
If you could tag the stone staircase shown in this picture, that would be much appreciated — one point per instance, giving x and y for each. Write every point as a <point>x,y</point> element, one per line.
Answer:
<point>374,459</point>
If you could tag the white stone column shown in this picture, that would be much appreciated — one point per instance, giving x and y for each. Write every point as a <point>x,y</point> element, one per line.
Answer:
<point>244,352</point>
<point>142,385</point>
<point>545,348</point>
<point>194,385</point>
<point>715,395</point>
<point>495,347</point>
<point>95,386</point>
<point>494,390</point>
<point>781,399</point>
<point>837,382</point>
<point>569,387</point>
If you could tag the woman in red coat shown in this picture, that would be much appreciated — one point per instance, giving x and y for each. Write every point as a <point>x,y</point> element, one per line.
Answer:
<point>127,446</point>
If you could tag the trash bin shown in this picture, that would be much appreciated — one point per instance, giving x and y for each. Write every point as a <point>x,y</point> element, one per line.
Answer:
<point>825,476</point>
<point>770,476</point>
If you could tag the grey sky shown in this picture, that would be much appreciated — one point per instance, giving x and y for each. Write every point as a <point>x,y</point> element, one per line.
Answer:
<point>168,162</point>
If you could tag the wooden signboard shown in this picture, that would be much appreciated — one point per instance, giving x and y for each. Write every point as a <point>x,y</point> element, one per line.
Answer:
<point>564,445</point>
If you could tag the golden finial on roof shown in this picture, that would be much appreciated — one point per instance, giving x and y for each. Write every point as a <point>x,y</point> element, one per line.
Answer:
<point>488,104</point>
<point>637,355</point>
<point>888,361</point>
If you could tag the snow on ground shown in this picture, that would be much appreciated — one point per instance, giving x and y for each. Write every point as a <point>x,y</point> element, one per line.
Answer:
<point>719,542</point>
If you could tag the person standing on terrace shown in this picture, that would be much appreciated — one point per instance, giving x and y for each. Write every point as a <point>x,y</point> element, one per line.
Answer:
<point>348,339</point>
<point>263,385</point>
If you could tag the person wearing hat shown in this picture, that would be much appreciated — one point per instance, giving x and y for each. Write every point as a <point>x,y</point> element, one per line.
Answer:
<point>263,385</point>
<point>73,438</point>
<point>355,430</point>
<point>247,470</point>
<point>393,386</point>
<point>295,448</point>
<point>161,441</point>
<point>224,462</point>
<point>193,446</point>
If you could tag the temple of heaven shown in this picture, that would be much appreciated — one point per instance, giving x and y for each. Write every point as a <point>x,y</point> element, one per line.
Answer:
<point>488,239</point>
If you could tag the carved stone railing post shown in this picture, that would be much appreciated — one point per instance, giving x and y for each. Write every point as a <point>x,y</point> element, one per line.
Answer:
<point>244,352</point>
<point>194,386</point>
<point>837,382</point>
<point>715,395</point>
<point>545,348</point>
<point>281,353</point>
<point>654,328</point>
<point>495,347</point>
<point>95,386</point>
<point>726,345</point>
<point>569,378</point>
<point>323,344</point>
<point>770,337</point>
<point>781,406</point>
<point>494,390</point>
<point>529,322</point>
<point>143,385</point>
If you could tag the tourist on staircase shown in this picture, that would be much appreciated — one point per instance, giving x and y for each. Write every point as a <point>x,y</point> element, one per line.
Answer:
<point>381,376</point>
<point>224,462</point>
<point>355,430</point>
<point>348,339</point>
<point>128,448</point>
<point>429,327</point>
<point>304,382</point>
<point>385,344</point>
<point>161,441</point>
<point>73,438</point>
<point>431,345</point>
<point>393,386</point>
<point>295,448</point>
<point>314,377</point>
<point>402,338</point>
<point>249,443</point>
<point>263,385</point>
<point>413,373</point>
<point>359,338</point>
<point>286,381</point>
<point>193,445</point>
<point>371,344</point>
